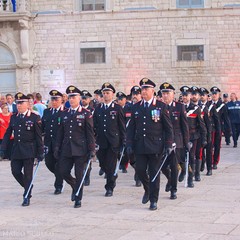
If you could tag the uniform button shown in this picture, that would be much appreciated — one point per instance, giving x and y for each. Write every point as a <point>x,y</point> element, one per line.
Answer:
<point>70,126</point>
<point>50,130</point>
<point>50,135</point>
<point>71,120</point>
<point>144,129</point>
<point>52,120</point>
<point>104,125</point>
<point>104,120</point>
<point>105,115</point>
<point>70,137</point>
<point>144,123</point>
<point>51,125</point>
<point>19,130</point>
<point>19,135</point>
<point>70,131</point>
<point>144,135</point>
<point>19,140</point>
<point>104,130</point>
<point>20,125</point>
<point>144,117</point>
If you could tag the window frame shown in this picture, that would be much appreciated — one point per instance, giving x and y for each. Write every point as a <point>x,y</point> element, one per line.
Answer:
<point>190,4</point>
<point>182,51</point>
<point>94,6</point>
<point>82,49</point>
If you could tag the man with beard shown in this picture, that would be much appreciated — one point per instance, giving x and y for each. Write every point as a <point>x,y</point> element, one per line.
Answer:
<point>178,117</point>
<point>205,116</point>
<point>225,123</point>
<point>197,129</point>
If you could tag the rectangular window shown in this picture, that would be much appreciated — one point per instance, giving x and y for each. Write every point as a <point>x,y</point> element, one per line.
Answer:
<point>93,5</point>
<point>93,55</point>
<point>190,53</point>
<point>190,3</point>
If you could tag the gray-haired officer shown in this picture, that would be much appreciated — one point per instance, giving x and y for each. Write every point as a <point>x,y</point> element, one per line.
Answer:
<point>75,142</point>
<point>26,128</point>
<point>51,121</point>
<point>150,131</point>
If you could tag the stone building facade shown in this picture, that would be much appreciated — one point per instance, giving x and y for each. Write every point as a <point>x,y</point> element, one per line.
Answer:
<point>49,44</point>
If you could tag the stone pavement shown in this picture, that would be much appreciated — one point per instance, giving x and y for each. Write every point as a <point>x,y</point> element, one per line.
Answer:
<point>211,210</point>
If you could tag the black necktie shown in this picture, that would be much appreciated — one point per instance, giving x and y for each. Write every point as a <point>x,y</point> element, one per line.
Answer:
<point>72,111</point>
<point>54,111</point>
<point>106,106</point>
<point>146,105</point>
<point>21,116</point>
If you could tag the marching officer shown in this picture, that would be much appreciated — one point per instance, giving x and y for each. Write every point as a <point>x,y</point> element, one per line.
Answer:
<point>222,111</point>
<point>51,121</point>
<point>86,100</point>
<point>122,101</point>
<point>75,142</point>
<point>110,129</point>
<point>149,132</point>
<point>197,129</point>
<point>26,128</point>
<point>206,119</point>
<point>136,94</point>
<point>97,98</point>
<point>179,120</point>
<point>215,130</point>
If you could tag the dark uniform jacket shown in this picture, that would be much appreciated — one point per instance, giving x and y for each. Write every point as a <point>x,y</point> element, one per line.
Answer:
<point>206,118</point>
<point>50,126</point>
<point>214,117</point>
<point>109,125</point>
<point>196,125</point>
<point>180,124</point>
<point>222,111</point>
<point>127,111</point>
<point>150,129</point>
<point>27,136</point>
<point>234,111</point>
<point>75,136</point>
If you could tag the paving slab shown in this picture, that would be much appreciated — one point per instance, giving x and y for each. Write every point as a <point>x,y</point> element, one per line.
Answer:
<point>210,210</point>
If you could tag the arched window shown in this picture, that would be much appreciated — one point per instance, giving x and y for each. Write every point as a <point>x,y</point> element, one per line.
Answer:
<point>7,70</point>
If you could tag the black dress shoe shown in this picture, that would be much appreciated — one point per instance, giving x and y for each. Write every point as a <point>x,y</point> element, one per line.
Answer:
<point>214,166</point>
<point>190,184</point>
<point>101,172</point>
<point>73,195</point>
<point>153,206</point>
<point>58,191</point>
<point>145,198</point>
<point>26,202</point>
<point>181,176</point>
<point>202,167</point>
<point>138,183</point>
<point>197,178</point>
<point>209,173</point>
<point>77,204</point>
<point>173,195</point>
<point>108,193</point>
<point>168,187</point>
<point>235,145</point>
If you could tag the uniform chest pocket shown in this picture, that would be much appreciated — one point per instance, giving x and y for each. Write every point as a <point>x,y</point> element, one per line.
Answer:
<point>80,122</point>
<point>175,115</point>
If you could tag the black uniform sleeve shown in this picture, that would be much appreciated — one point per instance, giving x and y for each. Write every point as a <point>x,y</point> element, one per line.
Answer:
<point>122,126</point>
<point>207,124</point>
<point>226,120</point>
<point>167,127</point>
<point>131,131</point>
<point>203,130</point>
<point>89,132</point>
<point>38,135</point>
<point>216,119</point>
<point>184,125</point>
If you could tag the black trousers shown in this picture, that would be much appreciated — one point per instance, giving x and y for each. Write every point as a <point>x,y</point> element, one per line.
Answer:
<point>108,159</point>
<point>235,132</point>
<point>24,178</point>
<point>150,163</point>
<point>53,165</point>
<point>216,142</point>
<point>66,164</point>
<point>170,168</point>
